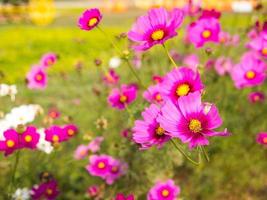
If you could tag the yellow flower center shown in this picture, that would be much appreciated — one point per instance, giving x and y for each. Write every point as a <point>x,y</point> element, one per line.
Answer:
<point>195,126</point>
<point>206,34</point>
<point>10,143</point>
<point>165,193</point>
<point>71,132</point>
<point>157,35</point>
<point>264,51</point>
<point>250,74</point>
<point>49,62</point>
<point>28,138</point>
<point>49,191</point>
<point>39,77</point>
<point>160,131</point>
<point>92,21</point>
<point>265,140</point>
<point>158,97</point>
<point>101,165</point>
<point>183,90</point>
<point>123,98</point>
<point>55,138</point>
<point>83,152</point>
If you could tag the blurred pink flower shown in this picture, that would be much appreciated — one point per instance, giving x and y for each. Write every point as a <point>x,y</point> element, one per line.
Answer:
<point>223,65</point>
<point>94,145</point>
<point>93,191</point>
<point>191,61</point>
<point>259,44</point>
<point>255,97</point>
<point>48,59</point>
<point>55,134</point>
<point>262,138</point>
<point>99,165</point>
<point>81,152</point>
<point>164,191</point>
<point>116,170</point>
<point>152,94</point>
<point>193,7</point>
<point>123,197</point>
<point>148,132</point>
<point>111,77</point>
<point>156,27</point>
<point>47,190</point>
<point>89,19</point>
<point>37,78</point>
<point>190,120</point>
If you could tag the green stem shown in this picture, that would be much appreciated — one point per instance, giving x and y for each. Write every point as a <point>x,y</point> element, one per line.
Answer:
<point>184,154</point>
<point>169,56</point>
<point>205,153</point>
<point>12,182</point>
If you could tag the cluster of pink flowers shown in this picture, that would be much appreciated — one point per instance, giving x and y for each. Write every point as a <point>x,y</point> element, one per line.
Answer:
<point>37,77</point>
<point>82,150</point>
<point>46,190</point>
<point>28,137</point>
<point>106,167</point>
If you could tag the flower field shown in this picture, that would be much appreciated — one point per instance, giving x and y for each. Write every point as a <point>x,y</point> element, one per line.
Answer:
<point>170,105</point>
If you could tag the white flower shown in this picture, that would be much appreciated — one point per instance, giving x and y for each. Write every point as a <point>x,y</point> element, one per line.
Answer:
<point>10,90</point>
<point>44,145</point>
<point>22,115</point>
<point>4,125</point>
<point>114,62</point>
<point>21,194</point>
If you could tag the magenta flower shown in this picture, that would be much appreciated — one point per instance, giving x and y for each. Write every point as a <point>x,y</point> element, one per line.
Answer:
<point>123,197</point>
<point>256,97</point>
<point>48,59</point>
<point>81,152</point>
<point>210,14</point>
<point>148,132</point>
<point>191,61</point>
<point>157,79</point>
<point>192,8</point>
<point>70,130</point>
<point>120,98</point>
<point>94,145</point>
<point>259,44</point>
<point>54,113</point>
<point>29,138</point>
<point>89,19</point>
<point>93,191</point>
<point>180,82</point>
<point>11,142</point>
<point>190,120</point>
<point>249,72</point>
<point>223,65</point>
<point>156,27</point>
<point>55,135</point>
<point>262,138</point>
<point>99,165</point>
<point>116,170</point>
<point>48,190</point>
<point>153,95</point>
<point>204,30</point>
<point>111,78</point>
<point>227,39</point>
<point>164,191</point>
<point>37,78</point>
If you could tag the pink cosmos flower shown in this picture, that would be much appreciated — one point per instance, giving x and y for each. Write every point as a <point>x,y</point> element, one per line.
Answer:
<point>190,120</point>
<point>156,27</point>
<point>249,72</point>
<point>255,97</point>
<point>204,30</point>
<point>223,65</point>
<point>99,165</point>
<point>55,134</point>
<point>157,79</point>
<point>48,59</point>
<point>37,78</point>
<point>48,190</point>
<point>193,7</point>
<point>93,191</point>
<point>262,138</point>
<point>148,132</point>
<point>70,130</point>
<point>180,82</point>
<point>89,19</point>
<point>29,138</point>
<point>54,113</point>
<point>94,145</point>
<point>153,95</point>
<point>116,170</point>
<point>191,61</point>
<point>259,44</point>
<point>81,152</point>
<point>210,14</point>
<point>164,191</point>
<point>119,98</point>
<point>111,78</point>
<point>122,197</point>
<point>11,142</point>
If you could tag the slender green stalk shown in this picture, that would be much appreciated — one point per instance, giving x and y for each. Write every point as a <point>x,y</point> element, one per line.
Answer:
<point>13,175</point>
<point>206,155</point>
<point>184,154</point>
<point>169,56</point>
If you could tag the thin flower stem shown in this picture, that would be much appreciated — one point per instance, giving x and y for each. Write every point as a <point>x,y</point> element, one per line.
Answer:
<point>184,154</point>
<point>169,56</point>
<point>12,182</point>
<point>205,153</point>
